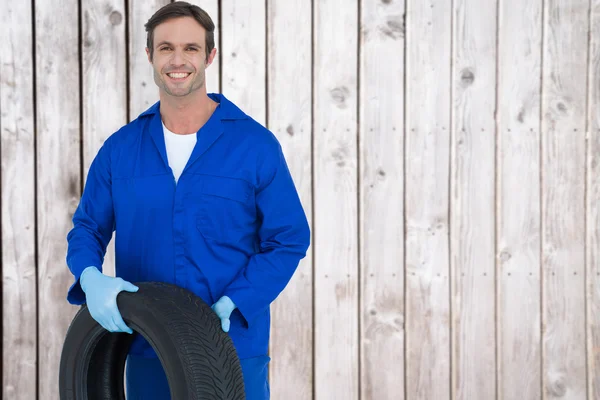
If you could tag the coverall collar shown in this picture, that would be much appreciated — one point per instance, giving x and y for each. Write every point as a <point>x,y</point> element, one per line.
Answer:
<point>206,136</point>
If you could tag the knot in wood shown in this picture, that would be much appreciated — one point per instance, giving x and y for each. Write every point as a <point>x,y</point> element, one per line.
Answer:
<point>394,28</point>
<point>339,96</point>
<point>340,155</point>
<point>505,256</point>
<point>467,77</point>
<point>290,130</point>
<point>116,18</point>
<point>557,388</point>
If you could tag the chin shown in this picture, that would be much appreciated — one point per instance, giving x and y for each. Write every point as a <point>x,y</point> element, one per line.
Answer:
<point>181,93</point>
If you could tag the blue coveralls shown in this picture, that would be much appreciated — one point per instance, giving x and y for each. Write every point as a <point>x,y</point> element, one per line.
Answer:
<point>233,224</point>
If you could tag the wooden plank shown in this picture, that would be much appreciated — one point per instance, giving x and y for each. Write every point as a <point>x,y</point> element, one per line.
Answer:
<point>427,321</point>
<point>335,193</point>
<point>213,73</point>
<point>472,239</point>
<point>243,38</point>
<point>563,181</point>
<point>104,106</point>
<point>593,208</point>
<point>19,312</point>
<point>381,181</point>
<point>291,350</point>
<point>518,201</point>
<point>142,89</point>
<point>58,175</point>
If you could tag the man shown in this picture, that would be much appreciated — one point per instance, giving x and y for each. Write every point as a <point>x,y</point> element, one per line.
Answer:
<point>199,195</point>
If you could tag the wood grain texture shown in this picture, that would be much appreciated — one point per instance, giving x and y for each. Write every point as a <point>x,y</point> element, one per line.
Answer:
<point>19,339</point>
<point>143,92</point>
<point>402,195</point>
<point>593,208</point>
<point>563,207</point>
<point>290,119</point>
<point>381,180</point>
<point>104,75</point>
<point>472,238</point>
<point>427,199</point>
<point>335,193</point>
<point>213,73</point>
<point>518,201</point>
<point>58,175</point>
<point>243,39</point>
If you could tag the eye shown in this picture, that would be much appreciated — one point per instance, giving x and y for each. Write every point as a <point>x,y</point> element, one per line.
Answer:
<point>192,48</point>
<point>165,48</point>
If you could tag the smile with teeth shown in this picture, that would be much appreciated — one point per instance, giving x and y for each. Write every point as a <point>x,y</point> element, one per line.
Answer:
<point>178,75</point>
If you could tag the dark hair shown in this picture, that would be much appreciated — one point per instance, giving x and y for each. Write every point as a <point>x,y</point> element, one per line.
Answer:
<point>176,10</point>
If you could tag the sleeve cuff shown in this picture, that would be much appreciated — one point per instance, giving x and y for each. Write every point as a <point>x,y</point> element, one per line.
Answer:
<point>248,303</point>
<point>75,294</point>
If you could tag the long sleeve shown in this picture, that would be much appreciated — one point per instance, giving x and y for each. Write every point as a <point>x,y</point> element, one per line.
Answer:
<point>93,223</point>
<point>284,236</point>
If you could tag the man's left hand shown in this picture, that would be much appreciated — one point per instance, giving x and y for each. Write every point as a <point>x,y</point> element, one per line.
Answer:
<point>223,308</point>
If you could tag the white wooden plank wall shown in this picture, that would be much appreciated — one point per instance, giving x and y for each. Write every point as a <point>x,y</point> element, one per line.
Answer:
<point>427,161</point>
<point>446,153</point>
<point>19,280</point>
<point>244,56</point>
<point>290,117</point>
<point>593,208</point>
<point>381,218</point>
<point>472,222</point>
<point>58,144</point>
<point>518,201</point>
<point>335,196</point>
<point>564,96</point>
<point>104,82</point>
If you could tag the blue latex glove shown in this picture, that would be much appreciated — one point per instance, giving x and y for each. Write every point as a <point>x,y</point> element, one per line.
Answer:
<point>224,307</point>
<point>101,297</point>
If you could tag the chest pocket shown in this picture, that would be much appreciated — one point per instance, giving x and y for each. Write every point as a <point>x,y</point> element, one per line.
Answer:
<point>224,208</point>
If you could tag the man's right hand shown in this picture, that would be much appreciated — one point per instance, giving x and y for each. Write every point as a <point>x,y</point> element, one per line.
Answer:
<point>101,297</point>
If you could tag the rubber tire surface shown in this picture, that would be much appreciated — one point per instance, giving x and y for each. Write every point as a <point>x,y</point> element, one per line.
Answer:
<point>199,359</point>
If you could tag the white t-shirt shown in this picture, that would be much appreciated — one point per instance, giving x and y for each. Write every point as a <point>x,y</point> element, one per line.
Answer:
<point>179,149</point>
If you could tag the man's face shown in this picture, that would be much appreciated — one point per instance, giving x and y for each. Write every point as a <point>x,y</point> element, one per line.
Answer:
<point>179,59</point>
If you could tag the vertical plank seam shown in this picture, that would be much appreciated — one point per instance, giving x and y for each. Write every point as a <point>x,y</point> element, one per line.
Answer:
<point>358,203</point>
<point>35,204</point>
<point>1,250</point>
<point>312,197</point>
<point>449,216</point>
<point>220,53</point>
<point>588,347</point>
<point>127,63</point>
<point>266,105</point>
<point>541,197</point>
<point>404,198</point>
<point>2,265</point>
<point>81,95</point>
<point>496,183</point>
<point>266,44</point>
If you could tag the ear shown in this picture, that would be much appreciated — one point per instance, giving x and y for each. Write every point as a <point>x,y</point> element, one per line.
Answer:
<point>148,54</point>
<point>211,57</point>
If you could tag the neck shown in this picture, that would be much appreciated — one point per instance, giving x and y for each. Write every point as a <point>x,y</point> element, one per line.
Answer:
<point>186,115</point>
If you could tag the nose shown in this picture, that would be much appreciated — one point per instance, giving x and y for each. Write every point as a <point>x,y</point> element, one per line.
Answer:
<point>177,59</point>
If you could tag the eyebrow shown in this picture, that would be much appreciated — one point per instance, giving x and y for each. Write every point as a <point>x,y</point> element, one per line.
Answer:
<point>170,44</point>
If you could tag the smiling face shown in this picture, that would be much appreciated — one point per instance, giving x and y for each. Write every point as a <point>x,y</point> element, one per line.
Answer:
<point>179,57</point>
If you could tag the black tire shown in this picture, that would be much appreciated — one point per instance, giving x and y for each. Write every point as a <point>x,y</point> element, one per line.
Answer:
<point>199,359</point>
